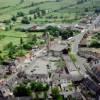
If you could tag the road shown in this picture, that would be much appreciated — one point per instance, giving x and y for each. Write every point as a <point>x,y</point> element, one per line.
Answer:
<point>74,45</point>
<point>80,61</point>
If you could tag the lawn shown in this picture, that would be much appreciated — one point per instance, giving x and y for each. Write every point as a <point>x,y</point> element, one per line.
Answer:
<point>13,36</point>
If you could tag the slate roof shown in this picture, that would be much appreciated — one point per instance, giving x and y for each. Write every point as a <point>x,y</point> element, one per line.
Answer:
<point>91,85</point>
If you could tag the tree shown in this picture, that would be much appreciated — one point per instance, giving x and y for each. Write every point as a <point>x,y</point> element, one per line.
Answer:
<point>11,50</point>
<point>21,41</point>
<point>45,89</point>
<point>55,92</point>
<point>38,13</point>
<point>25,20</point>
<point>22,90</point>
<point>31,11</point>
<point>43,12</point>
<point>9,45</point>
<point>34,38</point>
<point>97,10</point>
<point>35,16</point>
<point>20,53</point>
<point>95,44</point>
<point>54,31</point>
<point>32,4</point>
<point>33,84</point>
<point>38,87</point>
<point>1,59</point>
<point>69,97</point>
<point>14,18</point>
<point>27,46</point>
<point>21,44</point>
<point>20,14</point>
<point>65,34</point>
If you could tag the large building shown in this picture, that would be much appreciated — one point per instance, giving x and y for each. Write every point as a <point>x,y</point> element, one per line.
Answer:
<point>57,48</point>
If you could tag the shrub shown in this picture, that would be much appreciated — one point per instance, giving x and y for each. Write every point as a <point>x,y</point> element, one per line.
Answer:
<point>20,14</point>
<point>25,20</point>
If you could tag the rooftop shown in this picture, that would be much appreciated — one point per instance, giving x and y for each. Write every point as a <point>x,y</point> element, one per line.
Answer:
<point>39,67</point>
<point>58,46</point>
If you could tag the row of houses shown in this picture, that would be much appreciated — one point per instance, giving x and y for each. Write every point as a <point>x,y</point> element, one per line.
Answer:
<point>36,27</point>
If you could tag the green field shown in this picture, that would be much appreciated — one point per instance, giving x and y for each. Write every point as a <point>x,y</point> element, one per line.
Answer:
<point>13,36</point>
<point>11,7</point>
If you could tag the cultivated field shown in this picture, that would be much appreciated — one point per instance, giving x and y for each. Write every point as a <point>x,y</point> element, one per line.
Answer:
<point>11,7</point>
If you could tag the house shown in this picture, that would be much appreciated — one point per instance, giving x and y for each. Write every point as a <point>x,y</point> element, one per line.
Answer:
<point>92,86</point>
<point>96,71</point>
<point>27,27</point>
<point>31,28</point>
<point>38,71</point>
<point>5,92</point>
<point>57,48</point>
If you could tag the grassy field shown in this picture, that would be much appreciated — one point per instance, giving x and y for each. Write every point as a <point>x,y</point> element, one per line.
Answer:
<point>11,7</point>
<point>13,36</point>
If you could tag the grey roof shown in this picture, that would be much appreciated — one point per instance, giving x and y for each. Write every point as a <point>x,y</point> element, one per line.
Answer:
<point>91,85</point>
<point>58,47</point>
<point>5,91</point>
<point>39,67</point>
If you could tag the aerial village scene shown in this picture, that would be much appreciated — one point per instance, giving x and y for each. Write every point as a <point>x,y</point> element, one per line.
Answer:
<point>49,49</point>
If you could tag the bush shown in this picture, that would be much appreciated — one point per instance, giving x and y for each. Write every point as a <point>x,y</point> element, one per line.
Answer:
<point>20,14</point>
<point>32,11</point>
<point>95,44</point>
<point>14,18</point>
<point>20,53</point>
<point>22,90</point>
<point>25,20</point>
<point>27,46</point>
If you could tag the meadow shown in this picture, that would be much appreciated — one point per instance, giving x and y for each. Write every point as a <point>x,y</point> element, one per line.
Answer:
<point>11,7</point>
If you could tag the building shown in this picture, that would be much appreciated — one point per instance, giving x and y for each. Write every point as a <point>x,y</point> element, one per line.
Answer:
<point>27,27</point>
<point>5,92</point>
<point>75,76</point>
<point>57,48</point>
<point>38,70</point>
<point>96,71</point>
